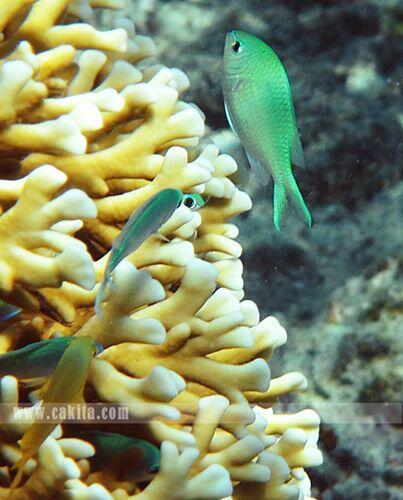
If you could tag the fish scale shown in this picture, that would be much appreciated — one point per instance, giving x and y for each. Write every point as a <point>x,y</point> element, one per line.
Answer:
<point>259,107</point>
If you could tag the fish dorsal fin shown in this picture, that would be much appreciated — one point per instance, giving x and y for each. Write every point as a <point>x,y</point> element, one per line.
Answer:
<point>297,153</point>
<point>259,168</point>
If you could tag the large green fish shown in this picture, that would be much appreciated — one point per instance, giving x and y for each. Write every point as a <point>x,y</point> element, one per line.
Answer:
<point>144,222</point>
<point>260,110</point>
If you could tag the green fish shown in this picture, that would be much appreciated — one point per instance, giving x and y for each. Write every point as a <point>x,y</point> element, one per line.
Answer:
<point>38,359</point>
<point>130,458</point>
<point>144,222</point>
<point>259,107</point>
<point>65,386</point>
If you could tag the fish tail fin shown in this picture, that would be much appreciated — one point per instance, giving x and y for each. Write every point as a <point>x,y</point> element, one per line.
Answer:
<point>290,189</point>
<point>280,203</point>
<point>295,194</point>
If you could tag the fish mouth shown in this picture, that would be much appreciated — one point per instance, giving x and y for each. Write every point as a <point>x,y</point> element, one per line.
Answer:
<point>231,37</point>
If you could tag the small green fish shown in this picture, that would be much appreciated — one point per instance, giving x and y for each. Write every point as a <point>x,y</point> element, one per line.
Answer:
<point>144,222</point>
<point>38,359</point>
<point>131,458</point>
<point>8,311</point>
<point>259,107</point>
<point>65,386</point>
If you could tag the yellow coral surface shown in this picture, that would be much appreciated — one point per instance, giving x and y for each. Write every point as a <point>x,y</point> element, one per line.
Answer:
<point>86,137</point>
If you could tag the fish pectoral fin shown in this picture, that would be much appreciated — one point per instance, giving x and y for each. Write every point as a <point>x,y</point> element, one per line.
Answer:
<point>259,168</point>
<point>236,84</point>
<point>297,153</point>
<point>127,461</point>
<point>229,118</point>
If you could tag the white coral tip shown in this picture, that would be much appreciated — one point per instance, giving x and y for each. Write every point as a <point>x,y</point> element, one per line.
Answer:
<point>87,116</point>
<point>76,266</point>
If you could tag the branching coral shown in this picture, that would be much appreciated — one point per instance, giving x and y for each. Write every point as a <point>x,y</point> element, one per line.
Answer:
<point>86,137</point>
<point>31,233</point>
<point>55,463</point>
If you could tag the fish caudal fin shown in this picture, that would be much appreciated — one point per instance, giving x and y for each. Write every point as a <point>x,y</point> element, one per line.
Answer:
<point>280,203</point>
<point>295,194</point>
<point>291,190</point>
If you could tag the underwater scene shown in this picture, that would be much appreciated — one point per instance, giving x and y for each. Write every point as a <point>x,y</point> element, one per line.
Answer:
<point>201,249</point>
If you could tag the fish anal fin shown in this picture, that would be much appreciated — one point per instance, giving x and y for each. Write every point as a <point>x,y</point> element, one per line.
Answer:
<point>260,169</point>
<point>297,153</point>
<point>43,390</point>
<point>100,296</point>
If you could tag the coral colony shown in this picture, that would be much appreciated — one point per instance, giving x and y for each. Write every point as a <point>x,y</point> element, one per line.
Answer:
<point>86,137</point>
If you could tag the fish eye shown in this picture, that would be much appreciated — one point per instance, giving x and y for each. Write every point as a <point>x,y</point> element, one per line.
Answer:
<point>154,469</point>
<point>189,202</point>
<point>237,47</point>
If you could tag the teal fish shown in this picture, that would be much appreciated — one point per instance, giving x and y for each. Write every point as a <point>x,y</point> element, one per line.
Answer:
<point>144,222</point>
<point>66,386</point>
<point>38,359</point>
<point>259,107</point>
<point>130,458</point>
<point>8,311</point>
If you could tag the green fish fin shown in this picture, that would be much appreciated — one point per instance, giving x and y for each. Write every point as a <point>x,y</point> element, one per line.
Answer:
<point>241,176</point>
<point>280,204</point>
<point>229,119</point>
<point>100,295</point>
<point>297,154</point>
<point>295,194</point>
<point>260,169</point>
<point>237,83</point>
<point>290,189</point>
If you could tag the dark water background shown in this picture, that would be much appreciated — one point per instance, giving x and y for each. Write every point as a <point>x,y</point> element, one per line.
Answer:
<point>338,289</point>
